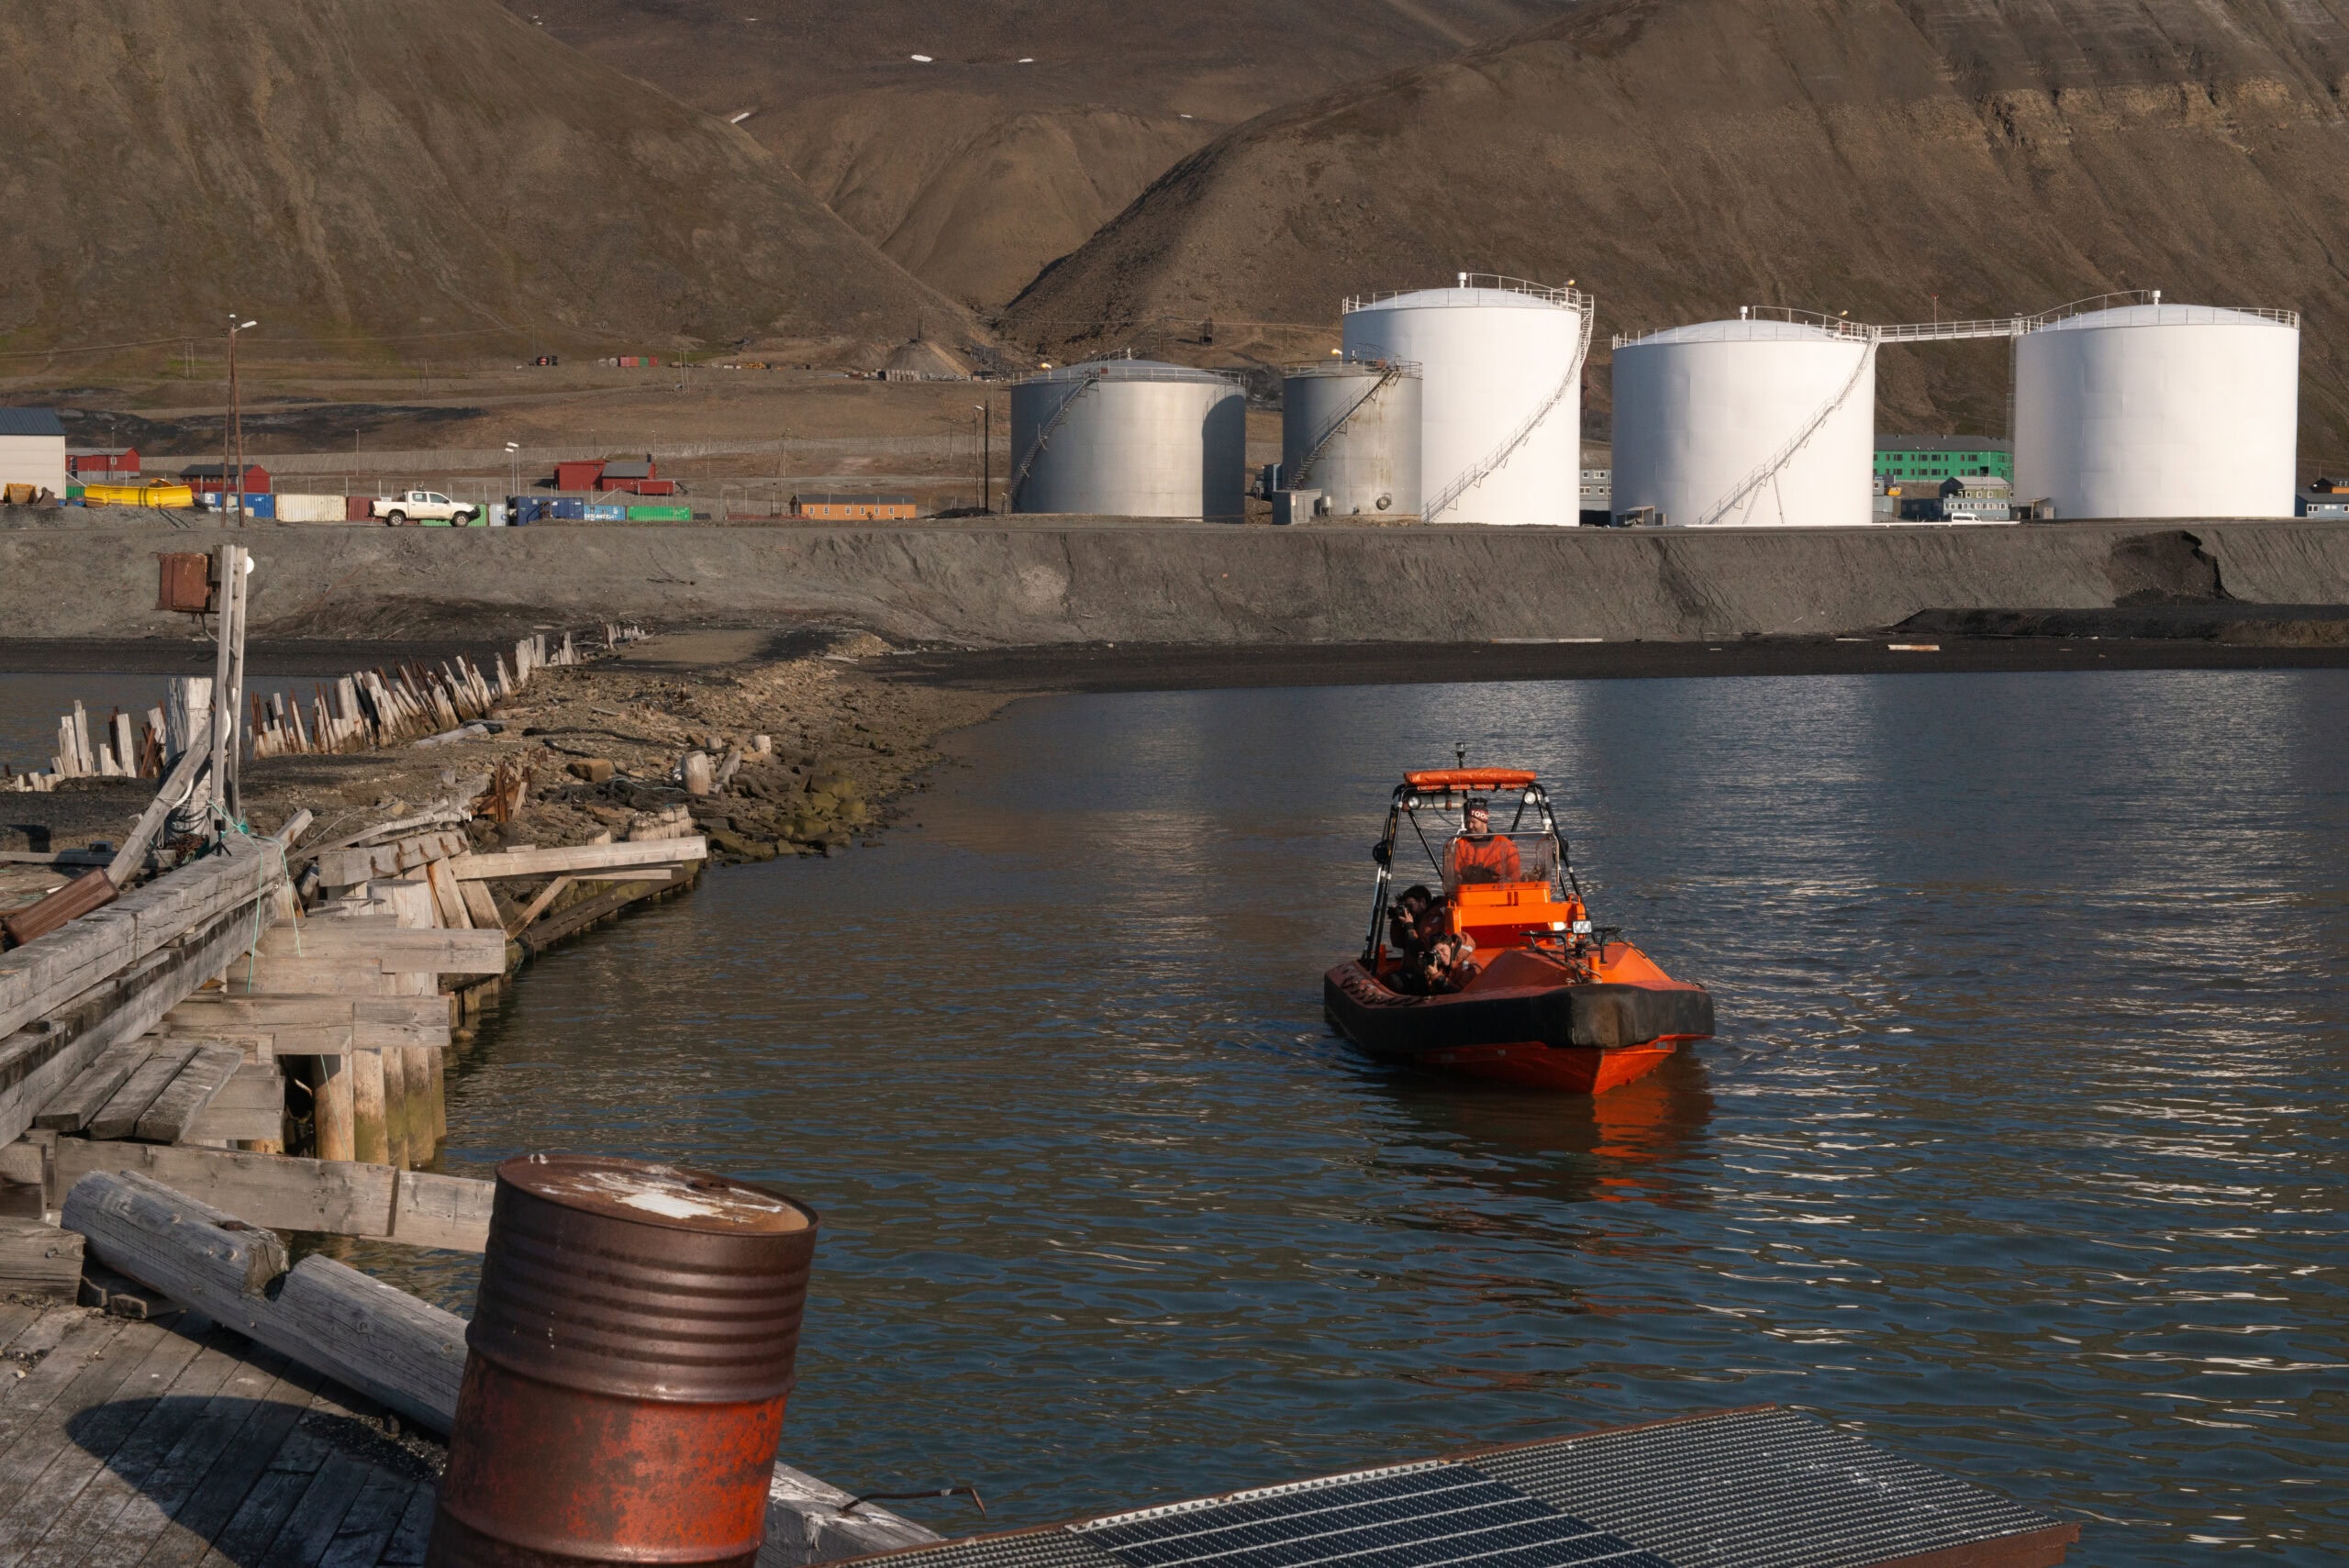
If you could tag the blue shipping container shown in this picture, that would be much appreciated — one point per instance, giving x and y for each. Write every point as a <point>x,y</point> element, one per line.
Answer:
<point>570,508</point>
<point>600,514</point>
<point>259,505</point>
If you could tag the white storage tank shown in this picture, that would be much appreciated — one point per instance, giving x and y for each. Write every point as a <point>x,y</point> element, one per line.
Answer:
<point>1350,428</point>
<point>1761,421</point>
<point>2156,411</point>
<point>1500,399</point>
<point>1128,439</point>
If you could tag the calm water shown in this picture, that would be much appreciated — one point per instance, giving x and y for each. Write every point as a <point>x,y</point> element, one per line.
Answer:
<point>2020,1149</point>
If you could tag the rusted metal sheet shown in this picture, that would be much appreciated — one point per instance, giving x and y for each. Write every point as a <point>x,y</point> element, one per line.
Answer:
<point>632,1350</point>
<point>184,582</point>
<point>90,890</point>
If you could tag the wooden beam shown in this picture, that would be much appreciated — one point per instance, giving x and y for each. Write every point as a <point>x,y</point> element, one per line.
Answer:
<point>402,1352</point>
<point>340,868</point>
<point>432,1210</point>
<point>285,1193</point>
<point>185,1097</point>
<point>36,1063</point>
<point>538,906</point>
<point>175,789</point>
<point>580,858</point>
<point>396,951</point>
<point>49,973</point>
<point>581,916</point>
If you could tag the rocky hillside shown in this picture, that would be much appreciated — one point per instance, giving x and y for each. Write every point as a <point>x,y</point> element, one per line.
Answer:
<point>1031,124</point>
<point>354,171</point>
<point>1679,158</point>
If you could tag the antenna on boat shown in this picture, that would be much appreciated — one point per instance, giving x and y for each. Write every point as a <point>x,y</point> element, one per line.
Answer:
<point>1460,753</point>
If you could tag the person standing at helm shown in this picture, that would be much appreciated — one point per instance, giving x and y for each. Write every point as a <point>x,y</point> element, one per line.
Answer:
<point>1477,853</point>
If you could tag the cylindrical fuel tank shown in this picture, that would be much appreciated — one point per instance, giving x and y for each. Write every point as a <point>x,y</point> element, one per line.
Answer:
<point>2156,410</point>
<point>1350,428</point>
<point>1128,439</point>
<point>630,1352</point>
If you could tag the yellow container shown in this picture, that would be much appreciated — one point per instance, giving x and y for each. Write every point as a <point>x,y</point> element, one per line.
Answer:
<point>155,495</point>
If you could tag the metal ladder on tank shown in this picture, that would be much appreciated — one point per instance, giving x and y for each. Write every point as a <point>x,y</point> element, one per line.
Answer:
<point>1766,472</point>
<point>1304,468</point>
<point>1501,454</point>
<point>1043,433</point>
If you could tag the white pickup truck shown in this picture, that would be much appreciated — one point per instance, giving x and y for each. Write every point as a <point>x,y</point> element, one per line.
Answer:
<point>422,506</point>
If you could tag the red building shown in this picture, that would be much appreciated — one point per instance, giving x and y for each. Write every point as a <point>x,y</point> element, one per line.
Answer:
<point>639,478</point>
<point>102,465</point>
<point>204,476</point>
<point>578,476</point>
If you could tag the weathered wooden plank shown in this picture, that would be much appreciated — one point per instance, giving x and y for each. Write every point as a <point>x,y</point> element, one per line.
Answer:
<point>274,1190</point>
<point>95,1085</point>
<point>317,1513</point>
<point>360,977</point>
<point>47,975</point>
<point>580,858</point>
<point>240,1461</point>
<point>367,1529</point>
<point>223,1127</point>
<point>340,868</point>
<point>481,907</point>
<point>397,952</point>
<point>119,1117</point>
<point>447,904</point>
<point>37,1063</point>
<point>40,1259</point>
<point>209,1009</point>
<point>410,1536</point>
<point>433,1210</point>
<point>194,1087</point>
<point>580,915</point>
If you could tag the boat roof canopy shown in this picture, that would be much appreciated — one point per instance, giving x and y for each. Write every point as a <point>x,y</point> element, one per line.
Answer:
<point>1470,778</point>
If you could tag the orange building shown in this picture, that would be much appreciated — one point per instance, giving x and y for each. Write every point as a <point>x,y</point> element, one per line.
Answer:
<point>854,508</point>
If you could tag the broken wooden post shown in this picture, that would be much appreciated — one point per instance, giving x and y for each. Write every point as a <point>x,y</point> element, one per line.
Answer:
<point>332,1106</point>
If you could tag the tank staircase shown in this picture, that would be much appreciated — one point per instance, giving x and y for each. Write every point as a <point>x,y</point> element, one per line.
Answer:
<point>1298,481</point>
<point>1043,434</point>
<point>1475,475</point>
<point>1768,470</point>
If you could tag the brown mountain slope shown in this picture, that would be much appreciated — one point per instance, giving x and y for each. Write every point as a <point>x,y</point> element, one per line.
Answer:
<point>974,169</point>
<point>393,169</point>
<point>1681,157</point>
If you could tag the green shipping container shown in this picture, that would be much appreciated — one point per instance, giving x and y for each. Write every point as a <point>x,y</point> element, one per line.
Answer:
<point>660,514</point>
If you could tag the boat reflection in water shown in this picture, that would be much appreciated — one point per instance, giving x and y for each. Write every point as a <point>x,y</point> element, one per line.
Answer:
<point>1639,1143</point>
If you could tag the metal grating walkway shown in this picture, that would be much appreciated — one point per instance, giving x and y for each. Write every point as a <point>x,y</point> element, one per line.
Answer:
<point>1758,1489</point>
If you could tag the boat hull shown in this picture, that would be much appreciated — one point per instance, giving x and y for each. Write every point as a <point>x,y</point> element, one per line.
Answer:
<point>1570,1038</point>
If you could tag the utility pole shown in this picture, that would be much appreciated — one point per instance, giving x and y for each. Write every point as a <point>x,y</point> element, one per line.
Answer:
<point>987,457</point>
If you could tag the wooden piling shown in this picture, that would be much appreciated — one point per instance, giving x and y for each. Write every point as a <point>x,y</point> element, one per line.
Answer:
<point>332,1106</point>
<point>369,1134</point>
<point>437,1060</point>
<point>426,1120</point>
<point>397,1149</point>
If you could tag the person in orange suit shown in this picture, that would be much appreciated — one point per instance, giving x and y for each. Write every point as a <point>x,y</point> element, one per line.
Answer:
<point>1479,854</point>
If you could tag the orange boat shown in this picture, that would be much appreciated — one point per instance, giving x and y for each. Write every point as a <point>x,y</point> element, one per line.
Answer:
<point>1545,999</point>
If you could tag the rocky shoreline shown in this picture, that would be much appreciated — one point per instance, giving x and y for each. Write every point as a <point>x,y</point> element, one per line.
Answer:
<point>603,748</point>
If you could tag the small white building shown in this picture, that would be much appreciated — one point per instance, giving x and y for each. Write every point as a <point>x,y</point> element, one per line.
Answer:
<point>32,449</point>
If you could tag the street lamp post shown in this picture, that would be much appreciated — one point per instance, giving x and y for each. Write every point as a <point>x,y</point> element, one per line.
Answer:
<point>514,456</point>
<point>987,457</point>
<point>232,431</point>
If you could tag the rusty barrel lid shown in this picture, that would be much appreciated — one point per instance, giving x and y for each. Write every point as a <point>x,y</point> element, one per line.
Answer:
<point>641,1280</point>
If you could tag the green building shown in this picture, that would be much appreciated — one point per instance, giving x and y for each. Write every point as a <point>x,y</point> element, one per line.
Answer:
<point>1900,460</point>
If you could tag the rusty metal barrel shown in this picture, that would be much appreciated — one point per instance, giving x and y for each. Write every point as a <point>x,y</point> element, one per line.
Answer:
<point>630,1357</point>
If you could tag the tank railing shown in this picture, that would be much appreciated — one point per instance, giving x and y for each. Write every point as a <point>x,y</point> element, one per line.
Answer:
<point>2125,298</point>
<point>1834,326</point>
<point>1475,475</point>
<point>1353,363</point>
<point>1776,463</point>
<point>1952,331</point>
<point>1569,296</point>
<point>1089,371</point>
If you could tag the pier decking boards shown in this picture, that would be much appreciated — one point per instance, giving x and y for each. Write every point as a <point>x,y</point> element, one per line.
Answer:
<point>176,1442</point>
<point>1754,1489</point>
